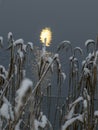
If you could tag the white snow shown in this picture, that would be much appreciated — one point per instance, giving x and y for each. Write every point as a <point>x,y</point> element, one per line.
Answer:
<point>86,71</point>
<point>36,124</point>
<point>83,62</point>
<point>70,113</point>
<point>71,121</point>
<point>42,123</point>
<point>72,108</point>
<point>24,87</point>
<point>43,51</point>
<point>96,113</point>
<point>4,111</point>
<point>24,47</point>
<point>49,59</point>
<point>31,45</point>
<point>85,94</point>
<point>85,104</point>
<point>1,123</point>
<point>78,49</point>
<point>18,42</point>
<point>24,73</point>
<point>75,59</point>
<point>63,75</point>
<point>1,41</point>
<point>17,127</point>
<point>16,69</point>
<point>10,35</point>
<point>2,76</point>
<point>71,58</point>
<point>76,101</point>
<point>4,70</point>
<point>64,44</point>
<point>21,54</point>
<point>26,83</point>
<point>56,55</point>
<point>89,41</point>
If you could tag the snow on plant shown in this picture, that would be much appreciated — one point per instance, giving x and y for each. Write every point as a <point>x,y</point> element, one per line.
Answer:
<point>72,116</point>
<point>10,36</point>
<point>17,127</point>
<point>18,42</point>
<point>6,110</point>
<point>64,45</point>
<point>71,121</point>
<point>42,122</point>
<point>30,44</point>
<point>1,41</point>
<point>22,94</point>
<point>21,101</point>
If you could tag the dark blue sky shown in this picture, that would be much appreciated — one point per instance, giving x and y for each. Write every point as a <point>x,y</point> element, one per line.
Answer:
<point>74,20</point>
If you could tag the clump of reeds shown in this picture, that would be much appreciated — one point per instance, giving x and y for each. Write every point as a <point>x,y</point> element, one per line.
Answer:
<point>21,99</point>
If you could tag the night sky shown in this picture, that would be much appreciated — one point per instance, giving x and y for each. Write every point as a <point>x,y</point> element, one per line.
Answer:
<point>72,20</point>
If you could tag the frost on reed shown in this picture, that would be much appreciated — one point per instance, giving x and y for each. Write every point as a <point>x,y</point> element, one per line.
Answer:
<point>21,98</point>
